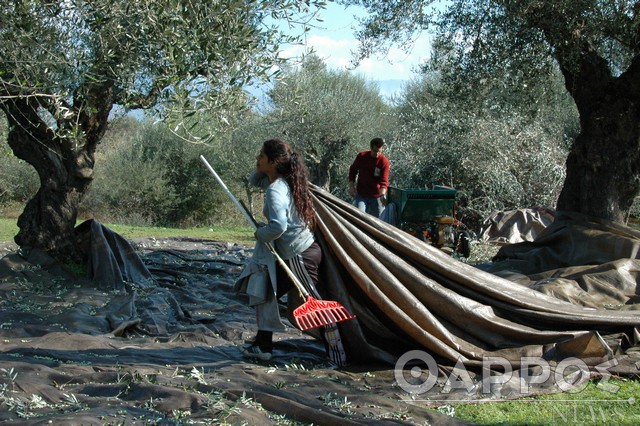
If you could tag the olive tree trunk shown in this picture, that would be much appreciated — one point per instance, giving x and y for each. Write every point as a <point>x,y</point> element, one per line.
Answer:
<point>63,157</point>
<point>603,166</point>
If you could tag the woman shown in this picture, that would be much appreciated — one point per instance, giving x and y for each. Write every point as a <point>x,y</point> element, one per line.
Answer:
<point>288,207</point>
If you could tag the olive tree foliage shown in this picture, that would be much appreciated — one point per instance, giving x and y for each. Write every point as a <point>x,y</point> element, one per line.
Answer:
<point>64,65</point>
<point>18,181</point>
<point>238,159</point>
<point>500,156</point>
<point>329,116</point>
<point>594,43</point>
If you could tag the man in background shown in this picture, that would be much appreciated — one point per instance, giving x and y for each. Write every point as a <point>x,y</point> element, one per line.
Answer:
<point>369,179</point>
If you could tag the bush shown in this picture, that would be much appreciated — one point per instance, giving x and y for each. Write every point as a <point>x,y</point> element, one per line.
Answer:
<point>153,178</point>
<point>18,180</point>
<point>497,160</point>
<point>507,165</point>
<point>128,190</point>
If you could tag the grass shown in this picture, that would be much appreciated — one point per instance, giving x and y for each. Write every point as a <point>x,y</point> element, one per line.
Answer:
<point>236,234</point>
<point>8,228</point>
<point>591,406</point>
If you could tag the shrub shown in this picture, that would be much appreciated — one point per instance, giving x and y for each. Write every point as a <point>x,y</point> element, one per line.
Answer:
<point>18,180</point>
<point>153,178</point>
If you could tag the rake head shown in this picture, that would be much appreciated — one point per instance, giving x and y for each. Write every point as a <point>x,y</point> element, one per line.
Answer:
<point>317,313</point>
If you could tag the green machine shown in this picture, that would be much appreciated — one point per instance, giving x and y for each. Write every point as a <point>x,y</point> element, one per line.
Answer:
<point>430,215</point>
<point>422,205</point>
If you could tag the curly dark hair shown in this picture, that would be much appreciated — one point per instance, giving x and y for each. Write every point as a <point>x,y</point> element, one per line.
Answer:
<point>291,166</point>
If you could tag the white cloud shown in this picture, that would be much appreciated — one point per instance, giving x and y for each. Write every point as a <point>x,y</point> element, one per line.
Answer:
<point>334,43</point>
<point>338,54</point>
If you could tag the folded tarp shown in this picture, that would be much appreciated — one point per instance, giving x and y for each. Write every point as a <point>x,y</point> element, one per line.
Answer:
<point>409,295</point>
<point>515,226</point>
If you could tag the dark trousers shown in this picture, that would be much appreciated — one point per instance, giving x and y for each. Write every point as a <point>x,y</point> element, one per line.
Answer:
<point>305,267</point>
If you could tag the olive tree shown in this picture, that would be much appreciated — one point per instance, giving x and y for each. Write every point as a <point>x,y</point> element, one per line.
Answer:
<point>499,151</point>
<point>64,65</point>
<point>594,43</point>
<point>330,115</point>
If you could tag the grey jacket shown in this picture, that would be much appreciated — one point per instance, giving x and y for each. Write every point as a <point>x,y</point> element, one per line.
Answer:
<point>285,229</point>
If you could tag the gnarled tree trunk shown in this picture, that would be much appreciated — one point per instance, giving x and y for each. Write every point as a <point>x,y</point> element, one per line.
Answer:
<point>603,167</point>
<point>320,174</point>
<point>322,158</point>
<point>63,158</point>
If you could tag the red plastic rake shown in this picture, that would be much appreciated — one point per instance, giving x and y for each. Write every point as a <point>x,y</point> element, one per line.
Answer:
<point>317,313</point>
<point>312,313</point>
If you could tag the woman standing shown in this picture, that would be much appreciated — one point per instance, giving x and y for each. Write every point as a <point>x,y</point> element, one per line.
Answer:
<point>288,207</point>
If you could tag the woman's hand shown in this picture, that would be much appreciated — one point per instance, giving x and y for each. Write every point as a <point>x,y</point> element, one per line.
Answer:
<point>258,226</point>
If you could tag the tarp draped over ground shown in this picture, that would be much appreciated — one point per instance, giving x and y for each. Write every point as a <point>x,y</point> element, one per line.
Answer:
<point>410,295</point>
<point>586,261</point>
<point>75,351</point>
<point>154,334</point>
<point>515,226</point>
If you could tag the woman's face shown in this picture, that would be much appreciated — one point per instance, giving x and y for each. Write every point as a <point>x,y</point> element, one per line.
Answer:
<point>263,164</point>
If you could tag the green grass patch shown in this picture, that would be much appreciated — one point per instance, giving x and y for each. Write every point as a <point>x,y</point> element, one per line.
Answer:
<point>591,406</point>
<point>232,234</point>
<point>8,228</point>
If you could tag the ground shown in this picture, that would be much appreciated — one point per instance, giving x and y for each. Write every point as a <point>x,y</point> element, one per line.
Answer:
<point>167,353</point>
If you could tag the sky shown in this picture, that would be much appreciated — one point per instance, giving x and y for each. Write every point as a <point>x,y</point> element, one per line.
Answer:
<point>334,41</point>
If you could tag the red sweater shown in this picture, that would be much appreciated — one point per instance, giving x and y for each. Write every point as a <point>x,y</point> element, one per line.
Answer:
<point>372,173</point>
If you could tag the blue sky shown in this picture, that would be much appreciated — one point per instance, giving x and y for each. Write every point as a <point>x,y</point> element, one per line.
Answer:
<point>333,41</point>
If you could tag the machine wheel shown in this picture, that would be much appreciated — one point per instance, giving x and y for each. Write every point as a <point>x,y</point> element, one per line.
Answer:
<point>463,245</point>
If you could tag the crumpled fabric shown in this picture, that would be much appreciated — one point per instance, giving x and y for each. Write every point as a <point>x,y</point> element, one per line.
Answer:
<point>409,295</point>
<point>515,226</point>
<point>255,281</point>
<point>111,260</point>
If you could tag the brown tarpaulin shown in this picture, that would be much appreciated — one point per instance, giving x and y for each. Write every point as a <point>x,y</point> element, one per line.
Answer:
<point>155,338</point>
<point>410,295</point>
<point>515,226</point>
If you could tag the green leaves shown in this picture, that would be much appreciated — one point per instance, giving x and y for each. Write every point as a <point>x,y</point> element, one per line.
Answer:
<point>329,115</point>
<point>141,48</point>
